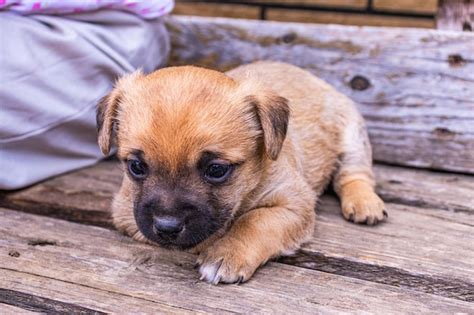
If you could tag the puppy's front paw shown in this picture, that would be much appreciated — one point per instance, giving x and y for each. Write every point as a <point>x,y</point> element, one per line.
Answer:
<point>227,261</point>
<point>363,207</point>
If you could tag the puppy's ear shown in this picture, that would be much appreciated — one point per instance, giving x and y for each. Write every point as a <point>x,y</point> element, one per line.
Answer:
<point>107,110</point>
<point>273,114</point>
<point>105,118</point>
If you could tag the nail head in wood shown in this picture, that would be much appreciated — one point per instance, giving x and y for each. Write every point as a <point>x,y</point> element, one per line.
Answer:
<point>288,38</point>
<point>359,83</point>
<point>14,253</point>
<point>456,60</point>
<point>466,27</point>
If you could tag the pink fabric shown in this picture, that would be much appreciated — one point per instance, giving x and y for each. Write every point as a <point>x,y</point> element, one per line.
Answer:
<point>148,9</point>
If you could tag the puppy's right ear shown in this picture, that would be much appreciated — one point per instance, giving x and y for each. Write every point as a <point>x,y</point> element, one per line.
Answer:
<point>108,108</point>
<point>105,118</point>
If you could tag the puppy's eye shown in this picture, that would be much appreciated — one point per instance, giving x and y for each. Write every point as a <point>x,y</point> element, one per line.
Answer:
<point>218,173</point>
<point>137,168</point>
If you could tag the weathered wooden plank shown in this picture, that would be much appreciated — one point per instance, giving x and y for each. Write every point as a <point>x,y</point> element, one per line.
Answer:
<point>429,233</point>
<point>414,87</point>
<point>217,9</point>
<point>412,6</point>
<point>455,15</point>
<point>417,248</point>
<point>27,291</point>
<point>425,189</point>
<point>102,260</point>
<point>13,310</point>
<point>40,304</point>
<point>461,289</point>
<point>358,4</point>
<point>307,16</point>
<point>82,196</point>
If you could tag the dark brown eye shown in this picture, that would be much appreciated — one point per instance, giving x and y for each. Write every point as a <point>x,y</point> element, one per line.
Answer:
<point>137,168</point>
<point>218,173</point>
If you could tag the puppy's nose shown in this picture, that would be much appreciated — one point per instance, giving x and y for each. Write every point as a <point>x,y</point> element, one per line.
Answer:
<point>167,225</point>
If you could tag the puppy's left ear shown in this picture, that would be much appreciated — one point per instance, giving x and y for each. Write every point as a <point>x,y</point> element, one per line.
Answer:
<point>108,108</point>
<point>273,114</point>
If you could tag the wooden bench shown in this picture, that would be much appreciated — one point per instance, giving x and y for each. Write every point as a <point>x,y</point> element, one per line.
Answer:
<point>415,88</point>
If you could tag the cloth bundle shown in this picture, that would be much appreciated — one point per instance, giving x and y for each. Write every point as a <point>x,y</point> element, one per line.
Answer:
<point>53,72</point>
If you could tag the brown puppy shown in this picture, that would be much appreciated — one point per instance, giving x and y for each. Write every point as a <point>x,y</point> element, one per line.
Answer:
<point>230,165</point>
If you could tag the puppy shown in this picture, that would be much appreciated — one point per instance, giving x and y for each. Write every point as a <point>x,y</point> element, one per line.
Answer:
<point>229,166</point>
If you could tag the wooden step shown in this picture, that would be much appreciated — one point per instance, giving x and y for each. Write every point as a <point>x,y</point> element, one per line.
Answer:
<point>79,267</point>
<point>430,227</point>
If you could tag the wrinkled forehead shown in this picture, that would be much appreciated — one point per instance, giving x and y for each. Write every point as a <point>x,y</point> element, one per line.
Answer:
<point>174,127</point>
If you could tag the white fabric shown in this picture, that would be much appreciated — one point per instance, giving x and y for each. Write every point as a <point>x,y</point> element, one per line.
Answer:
<point>53,72</point>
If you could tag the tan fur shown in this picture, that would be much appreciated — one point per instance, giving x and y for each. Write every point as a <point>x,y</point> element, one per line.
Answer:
<point>278,184</point>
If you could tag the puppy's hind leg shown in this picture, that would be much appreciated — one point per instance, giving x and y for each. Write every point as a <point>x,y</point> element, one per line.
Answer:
<point>354,179</point>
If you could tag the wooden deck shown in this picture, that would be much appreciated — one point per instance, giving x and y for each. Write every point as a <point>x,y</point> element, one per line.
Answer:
<point>421,260</point>
<point>59,252</point>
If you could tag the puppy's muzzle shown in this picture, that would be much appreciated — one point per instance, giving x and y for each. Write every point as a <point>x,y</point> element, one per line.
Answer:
<point>174,221</point>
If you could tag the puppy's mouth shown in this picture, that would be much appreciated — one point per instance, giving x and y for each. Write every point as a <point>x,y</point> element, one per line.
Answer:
<point>184,240</point>
<point>195,230</point>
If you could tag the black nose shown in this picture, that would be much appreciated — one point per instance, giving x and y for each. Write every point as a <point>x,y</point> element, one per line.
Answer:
<point>166,225</point>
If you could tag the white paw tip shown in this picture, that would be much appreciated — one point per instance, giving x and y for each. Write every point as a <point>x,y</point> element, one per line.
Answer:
<point>208,272</point>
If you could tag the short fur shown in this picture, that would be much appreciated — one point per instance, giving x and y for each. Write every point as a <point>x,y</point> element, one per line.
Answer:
<point>287,133</point>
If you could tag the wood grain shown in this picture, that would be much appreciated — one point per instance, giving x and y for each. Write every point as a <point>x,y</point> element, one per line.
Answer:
<point>82,196</point>
<point>414,87</point>
<point>102,260</point>
<point>216,9</point>
<point>14,310</point>
<point>418,248</point>
<point>360,4</point>
<point>459,289</point>
<point>30,292</point>
<point>36,303</point>
<point>306,16</point>
<point>455,15</point>
<point>424,189</point>
<point>411,6</point>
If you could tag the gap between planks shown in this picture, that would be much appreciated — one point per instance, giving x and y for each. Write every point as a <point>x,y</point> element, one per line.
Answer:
<point>36,303</point>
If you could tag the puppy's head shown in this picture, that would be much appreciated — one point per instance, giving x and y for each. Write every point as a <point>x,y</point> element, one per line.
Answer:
<point>194,144</point>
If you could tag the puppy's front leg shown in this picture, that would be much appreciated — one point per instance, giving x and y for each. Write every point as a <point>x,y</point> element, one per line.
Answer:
<point>255,237</point>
